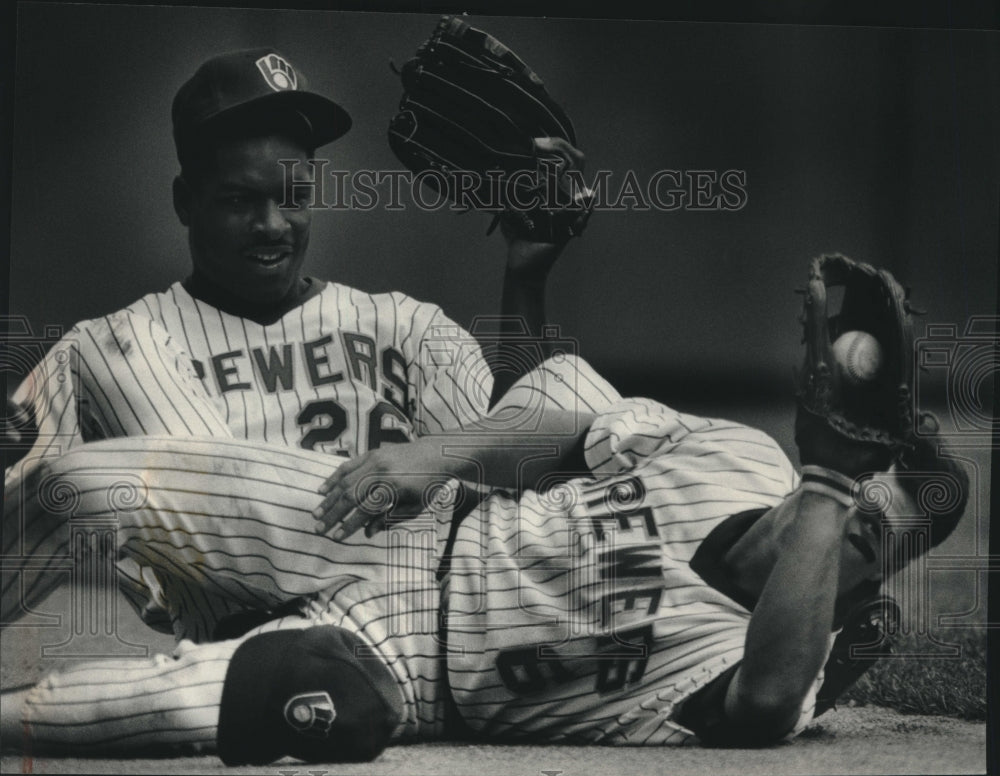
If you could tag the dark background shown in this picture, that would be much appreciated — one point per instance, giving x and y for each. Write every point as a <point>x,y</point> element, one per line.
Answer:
<point>880,143</point>
<point>864,127</point>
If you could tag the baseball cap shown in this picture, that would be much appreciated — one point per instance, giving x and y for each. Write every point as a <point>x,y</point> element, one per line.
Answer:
<point>253,85</point>
<point>317,694</point>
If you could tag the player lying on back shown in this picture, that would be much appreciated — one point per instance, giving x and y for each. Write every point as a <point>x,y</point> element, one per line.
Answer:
<point>680,582</point>
<point>617,607</point>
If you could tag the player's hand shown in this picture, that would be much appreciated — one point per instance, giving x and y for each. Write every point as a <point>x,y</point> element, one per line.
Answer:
<point>530,259</point>
<point>528,262</point>
<point>400,479</point>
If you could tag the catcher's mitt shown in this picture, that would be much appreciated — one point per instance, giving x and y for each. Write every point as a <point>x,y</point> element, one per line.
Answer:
<point>852,425</point>
<point>481,125</point>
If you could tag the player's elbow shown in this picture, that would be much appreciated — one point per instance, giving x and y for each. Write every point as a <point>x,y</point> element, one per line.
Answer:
<point>763,715</point>
<point>759,710</point>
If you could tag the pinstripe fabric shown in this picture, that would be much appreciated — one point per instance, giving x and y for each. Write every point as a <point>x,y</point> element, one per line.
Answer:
<point>575,614</point>
<point>572,615</point>
<point>170,705</point>
<point>249,538</point>
<point>338,375</point>
<point>368,354</point>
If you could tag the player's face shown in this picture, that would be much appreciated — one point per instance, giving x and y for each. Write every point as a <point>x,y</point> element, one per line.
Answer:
<point>862,553</point>
<point>242,240</point>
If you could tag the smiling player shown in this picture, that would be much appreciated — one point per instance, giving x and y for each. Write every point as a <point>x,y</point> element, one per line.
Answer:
<point>248,347</point>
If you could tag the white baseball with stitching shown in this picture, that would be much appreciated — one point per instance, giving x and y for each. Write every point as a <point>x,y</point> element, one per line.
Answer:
<point>859,356</point>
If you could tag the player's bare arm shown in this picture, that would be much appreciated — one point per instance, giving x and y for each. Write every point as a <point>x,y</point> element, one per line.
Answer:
<point>822,552</point>
<point>537,428</point>
<point>789,634</point>
<point>410,471</point>
<point>530,257</point>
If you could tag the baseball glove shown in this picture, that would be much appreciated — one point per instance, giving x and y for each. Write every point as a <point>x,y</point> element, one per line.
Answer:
<point>848,424</point>
<point>481,127</point>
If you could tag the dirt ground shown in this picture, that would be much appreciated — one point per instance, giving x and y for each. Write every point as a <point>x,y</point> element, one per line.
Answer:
<point>845,741</point>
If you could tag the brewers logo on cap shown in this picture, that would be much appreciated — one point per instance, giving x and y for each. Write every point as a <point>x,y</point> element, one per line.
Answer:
<point>278,74</point>
<point>311,714</point>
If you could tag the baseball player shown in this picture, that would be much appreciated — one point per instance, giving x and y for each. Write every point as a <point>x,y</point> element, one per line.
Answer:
<point>248,347</point>
<point>680,585</point>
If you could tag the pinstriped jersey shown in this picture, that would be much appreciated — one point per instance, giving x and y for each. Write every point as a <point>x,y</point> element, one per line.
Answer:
<point>575,614</point>
<point>340,374</point>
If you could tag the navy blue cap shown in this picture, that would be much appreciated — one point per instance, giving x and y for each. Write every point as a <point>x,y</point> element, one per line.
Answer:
<point>317,694</point>
<point>250,84</point>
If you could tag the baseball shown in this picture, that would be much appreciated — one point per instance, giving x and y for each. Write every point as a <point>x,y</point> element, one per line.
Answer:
<point>859,355</point>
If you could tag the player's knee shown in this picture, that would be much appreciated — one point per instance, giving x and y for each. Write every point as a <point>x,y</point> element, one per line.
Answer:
<point>312,694</point>
<point>80,482</point>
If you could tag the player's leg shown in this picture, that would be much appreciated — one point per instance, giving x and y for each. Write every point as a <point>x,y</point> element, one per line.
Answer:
<point>119,376</point>
<point>232,512</point>
<point>334,685</point>
<point>71,523</point>
<point>301,692</point>
<point>166,704</point>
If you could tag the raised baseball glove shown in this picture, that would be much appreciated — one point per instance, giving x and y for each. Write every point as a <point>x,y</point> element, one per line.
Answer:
<point>479,126</point>
<point>848,423</point>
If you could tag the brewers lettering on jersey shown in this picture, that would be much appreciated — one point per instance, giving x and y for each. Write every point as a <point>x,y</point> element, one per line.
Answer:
<point>340,375</point>
<point>245,384</point>
<point>283,358</point>
<point>614,607</point>
<point>623,573</point>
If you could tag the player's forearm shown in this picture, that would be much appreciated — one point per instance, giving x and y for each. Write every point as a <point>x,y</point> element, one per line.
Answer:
<point>523,301</point>
<point>536,430</point>
<point>516,461</point>
<point>789,632</point>
<point>522,346</point>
